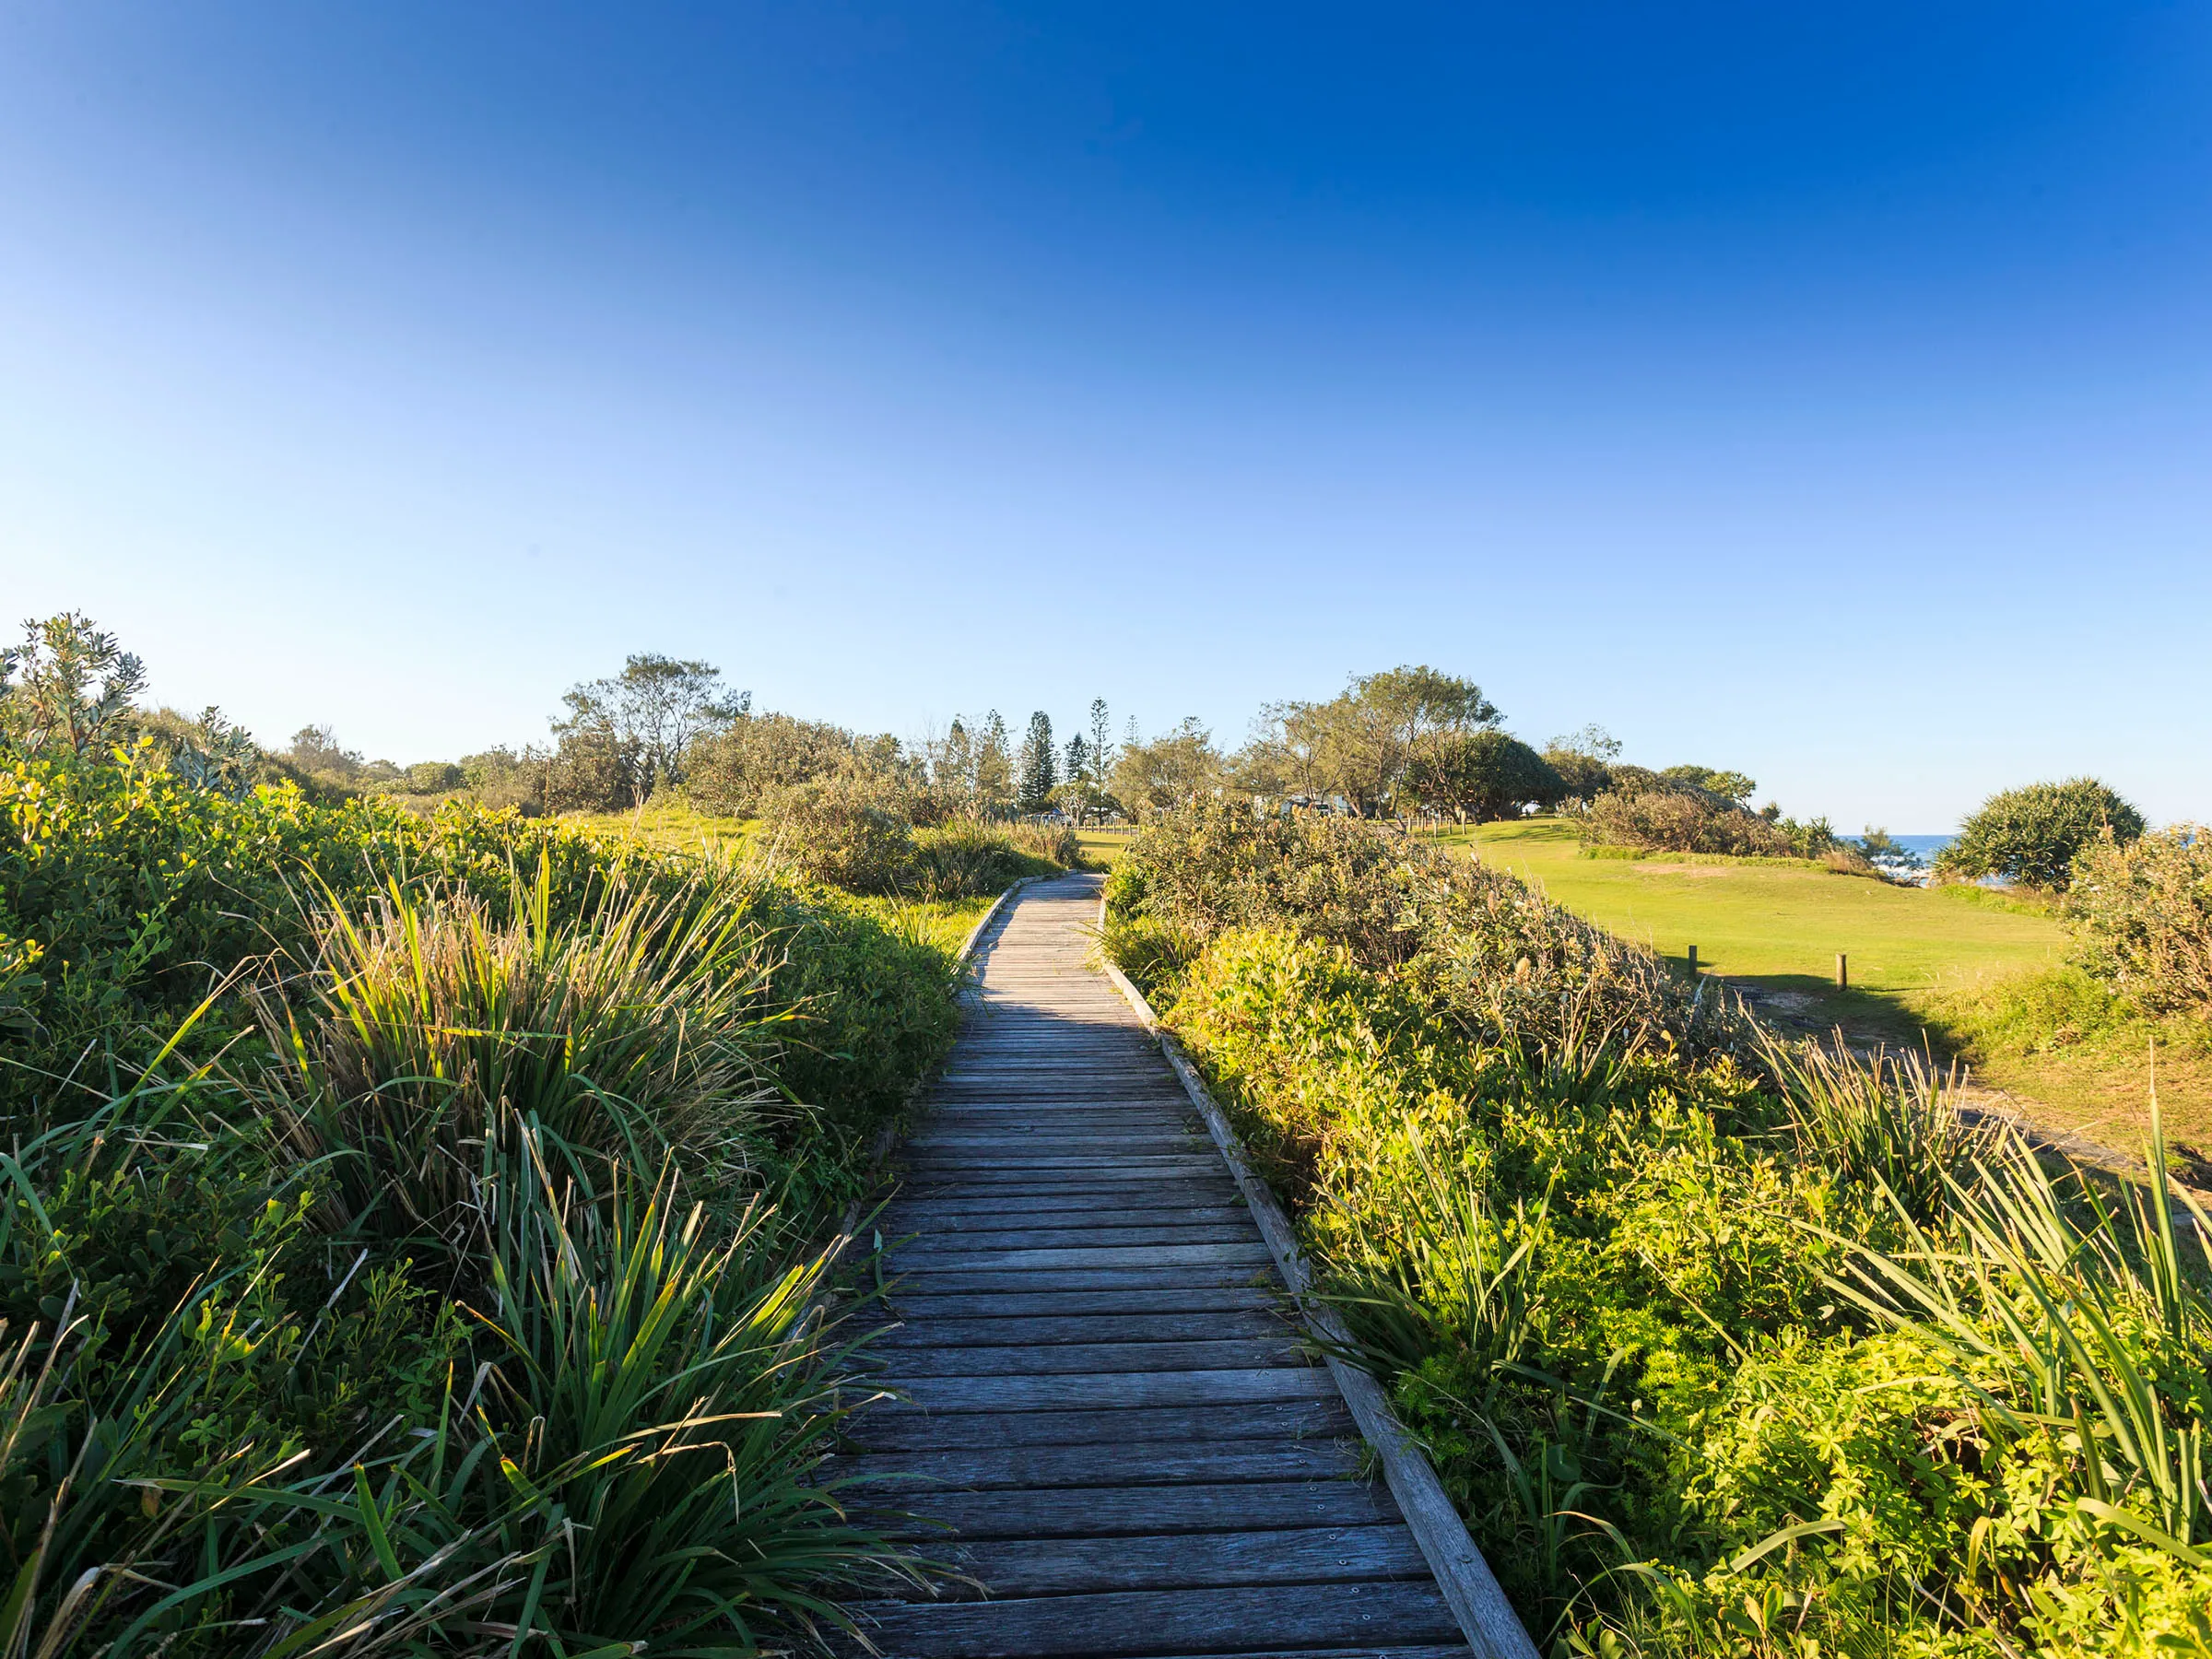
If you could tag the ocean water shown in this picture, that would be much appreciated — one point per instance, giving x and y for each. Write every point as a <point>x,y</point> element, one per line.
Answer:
<point>1927,846</point>
<point>1923,848</point>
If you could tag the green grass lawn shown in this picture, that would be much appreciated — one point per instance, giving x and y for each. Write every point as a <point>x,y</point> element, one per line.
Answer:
<point>1100,848</point>
<point>1779,925</point>
<point>1919,958</point>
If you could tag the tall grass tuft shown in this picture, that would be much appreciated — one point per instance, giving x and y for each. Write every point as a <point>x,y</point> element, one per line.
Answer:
<point>633,1030</point>
<point>1436,1268</point>
<point>1890,1118</point>
<point>663,1398</point>
<point>2080,1323</point>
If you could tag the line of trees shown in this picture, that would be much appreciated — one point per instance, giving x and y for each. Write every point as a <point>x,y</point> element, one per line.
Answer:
<point>1405,740</point>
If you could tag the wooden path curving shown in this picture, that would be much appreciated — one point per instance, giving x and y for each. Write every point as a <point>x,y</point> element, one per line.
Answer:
<point>1108,1403</point>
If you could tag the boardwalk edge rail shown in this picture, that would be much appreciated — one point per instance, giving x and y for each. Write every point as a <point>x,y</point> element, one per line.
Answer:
<point>1493,1631</point>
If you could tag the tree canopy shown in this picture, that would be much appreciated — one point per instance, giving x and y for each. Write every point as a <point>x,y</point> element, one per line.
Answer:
<point>2033,835</point>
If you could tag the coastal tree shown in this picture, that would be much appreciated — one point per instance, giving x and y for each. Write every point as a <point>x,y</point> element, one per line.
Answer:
<point>1174,769</point>
<point>993,764</point>
<point>647,717</point>
<point>2033,835</point>
<point>1584,761</point>
<point>1037,767</point>
<point>1360,743</point>
<point>68,685</point>
<point>1483,775</point>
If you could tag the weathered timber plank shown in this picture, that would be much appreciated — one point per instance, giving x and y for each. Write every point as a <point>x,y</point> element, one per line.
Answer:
<point>1126,1624</point>
<point>1193,1278</point>
<point>1029,1164</point>
<point>1208,1189</point>
<point>910,1301</point>
<point>1109,1511</point>
<point>1013,1213</point>
<point>1019,1567</point>
<point>1075,1357</point>
<point>913,1243</point>
<point>950,1395</point>
<point>912,1475</point>
<point>1174,1139</point>
<point>935,1330</point>
<point>1251,1253</point>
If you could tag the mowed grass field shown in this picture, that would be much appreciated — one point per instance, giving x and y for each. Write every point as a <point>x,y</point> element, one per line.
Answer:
<point>1779,926</point>
<point>1914,954</point>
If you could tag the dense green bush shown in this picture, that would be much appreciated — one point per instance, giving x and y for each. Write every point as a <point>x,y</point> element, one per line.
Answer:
<point>1482,774</point>
<point>1743,1348</point>
<point>842,832</point>
<point>2033,835</point>
<point>350,1288</point>
<point>856,831</point>
<point>1678,814</point>
<point>1510,967</point>
<point>2144,911</point>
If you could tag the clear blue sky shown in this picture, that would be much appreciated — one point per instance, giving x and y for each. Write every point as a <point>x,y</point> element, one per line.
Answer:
<point>1822,391</point>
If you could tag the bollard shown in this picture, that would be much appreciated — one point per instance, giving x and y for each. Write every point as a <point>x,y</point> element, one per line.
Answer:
<point>1842,971</point>
<point>1693,959</point>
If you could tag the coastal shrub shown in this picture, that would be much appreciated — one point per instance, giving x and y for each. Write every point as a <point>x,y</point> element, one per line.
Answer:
<point>2142,912</point>
<point>615,1440</point>
<point>1506,964</point>
<point>1673,816</point>
<point>1719,1348</point>
<point>735,770</point>
<point>364,1304</point>
<point>637,1029</point>
<point>2033,835</point>
<point>138,896</point>
<point>965,856</point>
<point>842,832</point>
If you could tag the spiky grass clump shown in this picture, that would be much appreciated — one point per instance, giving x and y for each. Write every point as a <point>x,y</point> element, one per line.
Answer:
<point>1887,1118</point>
<point>641,1029</point>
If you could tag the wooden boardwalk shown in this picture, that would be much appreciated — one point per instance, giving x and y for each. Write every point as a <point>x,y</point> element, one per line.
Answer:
<point>1108,1407</point>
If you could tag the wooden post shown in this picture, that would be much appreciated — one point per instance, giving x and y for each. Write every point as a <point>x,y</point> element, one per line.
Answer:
<point>1693,960</point>
<point>1842,971</point>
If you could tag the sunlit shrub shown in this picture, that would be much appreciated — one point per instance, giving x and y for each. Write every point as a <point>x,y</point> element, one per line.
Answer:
<point>2144,911</point>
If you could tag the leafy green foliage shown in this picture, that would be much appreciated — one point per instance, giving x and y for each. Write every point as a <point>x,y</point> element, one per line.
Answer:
<point>1482,774</point>
<point>2033,835</point>
<point>2144,909</point>
<point>1676,812</point>
<point>67,688</point>
<point>1510,967</point>
<point>1722,1348</point>
<point>347,1294</point>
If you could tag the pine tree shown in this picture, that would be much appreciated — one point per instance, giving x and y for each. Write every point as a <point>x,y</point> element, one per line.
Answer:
<point>1037,770</point>
<point>1101,755</point>
<point>993,765</point>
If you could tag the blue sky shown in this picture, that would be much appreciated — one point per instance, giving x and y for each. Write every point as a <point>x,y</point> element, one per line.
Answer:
<point>1824,392</point>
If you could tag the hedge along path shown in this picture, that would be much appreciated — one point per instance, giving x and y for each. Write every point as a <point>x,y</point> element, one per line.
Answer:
<point>1111,1421</point>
